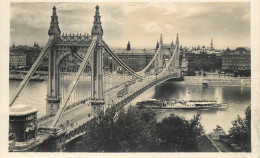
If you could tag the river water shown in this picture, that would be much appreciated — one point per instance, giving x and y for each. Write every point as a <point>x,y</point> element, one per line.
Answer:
<point>238,98</point>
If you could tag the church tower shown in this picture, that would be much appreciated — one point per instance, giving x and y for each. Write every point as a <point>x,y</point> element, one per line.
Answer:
<point>198,48</point>
<point>128,48</point>
<point>211,45</point>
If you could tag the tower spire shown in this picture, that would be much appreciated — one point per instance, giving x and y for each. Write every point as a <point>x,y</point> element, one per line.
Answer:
<point>161,40</point>
<point>54,26</point>
<point>211,45</point>
<point>157,45</point>
<point>177,40</point>
<point>172,43</point>
<point>97,28</point>
<point>128,48</point>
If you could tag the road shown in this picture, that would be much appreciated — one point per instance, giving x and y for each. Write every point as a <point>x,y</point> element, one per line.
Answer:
<point>82,113</point>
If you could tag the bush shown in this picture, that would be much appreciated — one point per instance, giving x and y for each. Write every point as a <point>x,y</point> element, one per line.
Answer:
<point>191,73</point>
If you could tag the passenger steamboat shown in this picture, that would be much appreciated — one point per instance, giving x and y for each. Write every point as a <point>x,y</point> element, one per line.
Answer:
<point>183,104</point>
<point>21,77</point>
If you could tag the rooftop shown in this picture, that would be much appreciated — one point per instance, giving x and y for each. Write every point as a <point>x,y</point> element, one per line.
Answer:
<point>241,49</point>
<point>133,51</point>
<point>21,109</point>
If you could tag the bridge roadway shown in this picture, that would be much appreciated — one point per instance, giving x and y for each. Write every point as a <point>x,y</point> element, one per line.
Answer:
<point>82,112</point>
<point>74,119</point>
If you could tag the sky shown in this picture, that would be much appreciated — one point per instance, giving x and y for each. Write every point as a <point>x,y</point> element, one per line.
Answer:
<point>227,23</point>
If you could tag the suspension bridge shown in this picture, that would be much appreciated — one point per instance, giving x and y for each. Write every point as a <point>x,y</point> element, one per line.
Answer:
<point>74,98</point>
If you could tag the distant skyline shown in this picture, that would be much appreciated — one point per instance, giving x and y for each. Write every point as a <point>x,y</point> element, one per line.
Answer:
<point>227,23</point>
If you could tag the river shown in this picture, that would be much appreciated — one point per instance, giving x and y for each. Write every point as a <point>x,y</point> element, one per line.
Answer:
<point>238,98</point>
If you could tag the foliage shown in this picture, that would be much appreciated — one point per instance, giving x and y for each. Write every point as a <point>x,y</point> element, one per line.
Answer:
<point>177,134</point>
<point>240,132</point>
<point>195,126</point>
<point>243,73</point>
<point>191,72</point>
<point>136,130</point>
<point>219,130</point>
<point>132,131</point>
<point>100,132</point>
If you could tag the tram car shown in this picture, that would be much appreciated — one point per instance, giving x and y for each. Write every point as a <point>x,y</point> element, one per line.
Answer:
<point>122,92</point>
<point>129,83</point>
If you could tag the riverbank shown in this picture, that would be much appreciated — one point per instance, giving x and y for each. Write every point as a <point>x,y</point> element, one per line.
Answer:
<point>210,80</point>
<point>218,81</point>
<point>22,76</point>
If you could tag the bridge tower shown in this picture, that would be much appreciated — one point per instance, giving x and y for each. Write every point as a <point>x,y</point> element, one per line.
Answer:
<point>177,56</point>
<point>160,57</point>
<point>97,93</point>
<point>53,96</point>
<point>157,45</point>
<point>97,57</point>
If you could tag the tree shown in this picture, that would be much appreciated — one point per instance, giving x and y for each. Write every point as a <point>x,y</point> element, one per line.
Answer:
<point>195,126</point>
<point>200,73</point>
<point>219,130</point>
<point>240,132</point>
<point>177,134</point>
<point>136,130</point>
<point>219,73</point>
<point>132,131</point>
<point>100,134</point>
<point>191,72</point>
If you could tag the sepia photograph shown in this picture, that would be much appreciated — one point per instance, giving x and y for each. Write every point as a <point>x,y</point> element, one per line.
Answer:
<point>131,77</point>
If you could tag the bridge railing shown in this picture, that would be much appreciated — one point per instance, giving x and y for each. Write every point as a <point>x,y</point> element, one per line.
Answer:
<point>80,129</point>
<point>40,119</point>
<point>150,84</point>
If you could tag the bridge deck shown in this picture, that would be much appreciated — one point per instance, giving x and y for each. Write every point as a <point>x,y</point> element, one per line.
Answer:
<point>80,112</point>
<point>77,116</point>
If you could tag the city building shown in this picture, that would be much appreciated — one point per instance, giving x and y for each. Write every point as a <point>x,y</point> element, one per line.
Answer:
<point>17,60</point>
<point>202,61</point>
<point>23,55</point>
<point>237,61</point>
<point>202,58</point>
<point>136,59</point>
